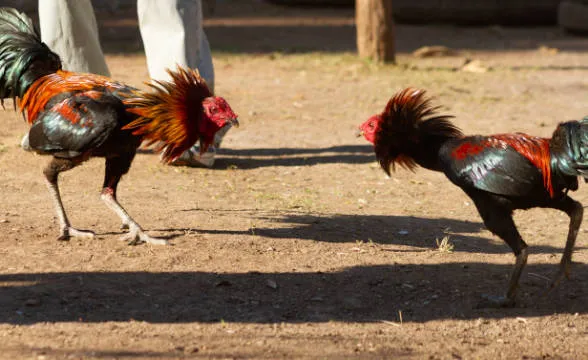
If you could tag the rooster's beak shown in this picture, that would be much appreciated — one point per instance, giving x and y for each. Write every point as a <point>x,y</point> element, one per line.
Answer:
<point>359,133</point>
<point>234,122</point>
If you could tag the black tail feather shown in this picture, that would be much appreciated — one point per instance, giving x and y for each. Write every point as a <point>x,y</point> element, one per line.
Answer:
<point>23,57</point>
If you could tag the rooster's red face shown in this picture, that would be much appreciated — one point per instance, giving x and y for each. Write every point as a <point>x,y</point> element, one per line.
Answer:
<point>218,110</point>
<point>370,128</point>
<point>217,114</point>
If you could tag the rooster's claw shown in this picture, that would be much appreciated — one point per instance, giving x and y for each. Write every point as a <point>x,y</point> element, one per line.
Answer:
<point>138,236</point>
<point>563,271</point>
<point>70,232</point>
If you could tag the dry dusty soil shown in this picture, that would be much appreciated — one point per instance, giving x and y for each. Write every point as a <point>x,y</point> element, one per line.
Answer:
<point>296,245</point>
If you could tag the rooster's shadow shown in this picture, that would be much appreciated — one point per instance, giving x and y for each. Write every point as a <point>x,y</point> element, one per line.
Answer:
<point>255,158</point>
<point>363,293</point>
<point>413,233</point>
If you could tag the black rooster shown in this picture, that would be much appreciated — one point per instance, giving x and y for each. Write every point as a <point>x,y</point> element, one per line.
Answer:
<point>500,173</point>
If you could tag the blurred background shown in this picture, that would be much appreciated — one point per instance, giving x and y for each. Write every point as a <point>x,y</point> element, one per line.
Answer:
<point>291,26</point>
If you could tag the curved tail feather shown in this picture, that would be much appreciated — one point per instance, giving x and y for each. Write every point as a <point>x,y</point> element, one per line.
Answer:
<point>23,57</point>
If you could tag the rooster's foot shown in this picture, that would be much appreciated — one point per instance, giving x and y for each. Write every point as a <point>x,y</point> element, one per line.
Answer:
<point>69,232</point>
<point>493,301</point>
<point>564,271</point>
<point>138,236</point>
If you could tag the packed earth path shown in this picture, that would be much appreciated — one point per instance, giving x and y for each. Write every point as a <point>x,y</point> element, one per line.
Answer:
<point>296,244</point>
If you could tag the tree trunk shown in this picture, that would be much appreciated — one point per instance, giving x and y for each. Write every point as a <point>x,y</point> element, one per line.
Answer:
<point>375,29</point>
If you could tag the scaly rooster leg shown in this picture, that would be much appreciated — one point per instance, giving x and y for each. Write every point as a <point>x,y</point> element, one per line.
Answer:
<point>51,172</point>
<point>115,168</point>
<point>521,261</point>
<point>136,234</point>
<point>498,219</point>
<point>509,299</point>
<point>575,211</point>
<point>124,225</point>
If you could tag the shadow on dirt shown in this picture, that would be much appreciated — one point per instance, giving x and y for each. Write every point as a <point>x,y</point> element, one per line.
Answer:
<point>363,149</point>
<point>270,157</point>
<point>358,294</point>
<point>410,231</point>
<point>341,38</point>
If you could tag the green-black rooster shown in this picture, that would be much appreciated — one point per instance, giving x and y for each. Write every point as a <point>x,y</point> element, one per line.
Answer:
<point>76,116</point>
<point>500,173</point>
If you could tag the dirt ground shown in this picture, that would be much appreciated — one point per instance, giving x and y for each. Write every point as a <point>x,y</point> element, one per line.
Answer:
<point>296,245</point>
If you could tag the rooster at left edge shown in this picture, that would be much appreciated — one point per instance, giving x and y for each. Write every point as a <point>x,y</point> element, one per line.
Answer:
<point>76,116</point>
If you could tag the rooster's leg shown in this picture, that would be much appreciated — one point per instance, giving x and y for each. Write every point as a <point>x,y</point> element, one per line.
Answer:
<point>521,261</point>
<point>51,172</point>
<point>136,234</point>
<point>509,299</point>
<point>115,168</point>
<point>575,211</point>
<point>499,220</point>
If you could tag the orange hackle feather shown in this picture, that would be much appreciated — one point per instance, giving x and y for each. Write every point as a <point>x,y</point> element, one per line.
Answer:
<point>535,149</point>
<point>171,112</point>
<point>48,86</point>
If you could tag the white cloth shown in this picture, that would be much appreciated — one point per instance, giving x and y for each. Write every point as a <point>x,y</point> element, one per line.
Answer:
<point>69,28</point>
<point>171,31</point>
<point>172,35</point>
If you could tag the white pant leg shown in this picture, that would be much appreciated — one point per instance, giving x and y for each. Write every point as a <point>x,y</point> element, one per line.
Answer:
<point>172,35</point>
<point>205,66</point>
<point>69,28</point>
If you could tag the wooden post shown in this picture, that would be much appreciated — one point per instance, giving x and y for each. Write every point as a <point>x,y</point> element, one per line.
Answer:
<point>375,30</point>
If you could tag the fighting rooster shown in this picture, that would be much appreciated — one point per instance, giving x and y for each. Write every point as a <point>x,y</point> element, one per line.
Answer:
<point>76,116</point>
<point>500,173</point>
